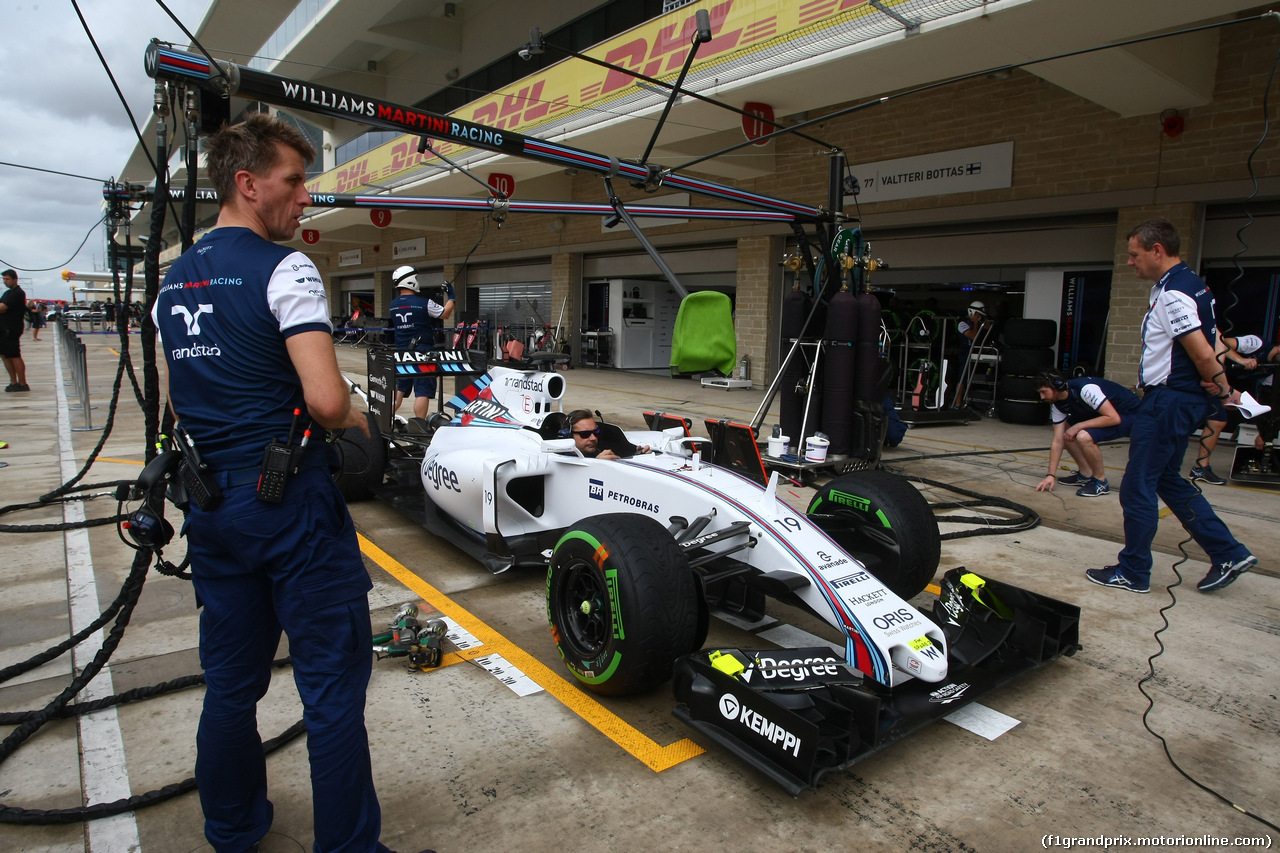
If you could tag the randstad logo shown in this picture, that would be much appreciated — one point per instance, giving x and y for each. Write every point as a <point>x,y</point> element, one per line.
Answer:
<point>192,320</point>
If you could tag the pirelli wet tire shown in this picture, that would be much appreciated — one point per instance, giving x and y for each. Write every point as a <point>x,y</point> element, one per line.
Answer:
<point>621,602</point>
<point>882,520</point>
<point>363,461</point>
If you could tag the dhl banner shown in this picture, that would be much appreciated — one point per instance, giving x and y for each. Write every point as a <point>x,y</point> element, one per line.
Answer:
<point>740,29</point>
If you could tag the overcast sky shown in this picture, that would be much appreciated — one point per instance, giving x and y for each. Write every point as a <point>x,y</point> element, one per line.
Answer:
<point>60,112</point>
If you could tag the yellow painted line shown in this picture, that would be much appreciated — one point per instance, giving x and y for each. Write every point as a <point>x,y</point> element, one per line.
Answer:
<point>639,745</point>
<point>933,589</point>
<point>120,461</point>
<point>1165,512</point>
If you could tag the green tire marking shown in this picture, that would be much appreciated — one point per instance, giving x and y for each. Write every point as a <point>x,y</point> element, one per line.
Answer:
<point>578,534</point>
<point>602,677</point>
<point>883,520</point>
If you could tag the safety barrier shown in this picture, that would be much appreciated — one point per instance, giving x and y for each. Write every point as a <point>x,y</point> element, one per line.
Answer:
<point>74,351</point>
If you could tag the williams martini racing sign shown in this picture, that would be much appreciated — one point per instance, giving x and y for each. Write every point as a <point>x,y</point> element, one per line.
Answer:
<point>986,167</point>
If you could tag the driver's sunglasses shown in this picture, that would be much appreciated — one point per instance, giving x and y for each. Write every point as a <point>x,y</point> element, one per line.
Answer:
<point>587,433</point>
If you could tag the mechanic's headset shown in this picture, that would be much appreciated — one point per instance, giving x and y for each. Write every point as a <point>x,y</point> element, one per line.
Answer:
<point>1051,379</point>
<point>146,525</point>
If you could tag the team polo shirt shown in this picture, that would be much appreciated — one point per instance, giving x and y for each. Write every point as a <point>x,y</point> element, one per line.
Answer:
<point>1085,396</point>
<point>411,314</point>
<point>1181,304</point>
<point>224,312</point>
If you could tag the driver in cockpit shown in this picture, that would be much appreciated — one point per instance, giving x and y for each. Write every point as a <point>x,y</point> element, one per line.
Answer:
<point>586,436</point>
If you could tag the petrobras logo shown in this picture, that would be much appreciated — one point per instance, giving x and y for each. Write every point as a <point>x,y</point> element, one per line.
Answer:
<point>734,711</point>
<point>633,501</point>
<point>595,490</point>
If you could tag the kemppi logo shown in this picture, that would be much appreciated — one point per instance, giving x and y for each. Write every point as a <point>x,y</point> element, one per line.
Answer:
<point>733,710</point>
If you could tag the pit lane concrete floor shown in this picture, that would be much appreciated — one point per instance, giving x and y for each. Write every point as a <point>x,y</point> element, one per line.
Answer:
<point>465,764</point>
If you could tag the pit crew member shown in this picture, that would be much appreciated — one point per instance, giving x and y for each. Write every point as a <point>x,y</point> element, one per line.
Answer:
<point>1086,411</point>
<point>247,337</point>
<point>414,317</point>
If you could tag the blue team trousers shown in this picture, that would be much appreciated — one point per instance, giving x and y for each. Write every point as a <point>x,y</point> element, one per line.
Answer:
<point>258,568</point>
<point>1157,444</point>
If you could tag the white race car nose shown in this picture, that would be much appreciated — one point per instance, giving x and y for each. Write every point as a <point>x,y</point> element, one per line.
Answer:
<point>922,658</point>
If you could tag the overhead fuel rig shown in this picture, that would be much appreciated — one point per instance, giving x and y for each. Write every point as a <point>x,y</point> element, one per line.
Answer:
<point>836,259</point>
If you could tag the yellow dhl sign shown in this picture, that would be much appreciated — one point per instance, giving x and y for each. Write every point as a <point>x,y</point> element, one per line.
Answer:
<point>656,49</point>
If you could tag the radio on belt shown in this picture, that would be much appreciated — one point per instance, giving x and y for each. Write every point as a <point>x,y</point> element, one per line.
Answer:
<point>279,462</point>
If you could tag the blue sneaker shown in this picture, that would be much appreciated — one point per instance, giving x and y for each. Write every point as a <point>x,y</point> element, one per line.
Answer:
<point>1095,488</point>
<point>1076,479</point>
<point>1223,575</point>
<point>1115,578</point>
<point>1205,475</point>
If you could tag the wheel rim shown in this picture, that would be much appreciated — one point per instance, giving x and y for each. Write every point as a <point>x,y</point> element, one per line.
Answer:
<point>583,611</point>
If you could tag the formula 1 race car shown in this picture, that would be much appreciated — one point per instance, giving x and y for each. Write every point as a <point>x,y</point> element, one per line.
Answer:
<point>640,550</point>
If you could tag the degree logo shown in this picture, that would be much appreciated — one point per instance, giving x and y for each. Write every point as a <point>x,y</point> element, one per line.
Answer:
<point>729,706</point>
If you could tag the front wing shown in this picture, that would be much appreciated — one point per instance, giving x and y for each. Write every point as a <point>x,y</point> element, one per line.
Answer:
<point>796,714</point>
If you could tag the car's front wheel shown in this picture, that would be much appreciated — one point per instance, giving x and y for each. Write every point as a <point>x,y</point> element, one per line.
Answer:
<point>886,523</point>
<point>621,602</point>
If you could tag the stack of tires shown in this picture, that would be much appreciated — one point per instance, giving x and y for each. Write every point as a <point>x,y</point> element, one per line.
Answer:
<point>1028,349</point>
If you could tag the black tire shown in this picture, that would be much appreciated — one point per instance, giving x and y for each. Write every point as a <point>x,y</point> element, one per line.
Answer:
<point>1024,361</point>
<point>1025,332</point>
<point>883,521</point>
<point>1018,388</point>
<point>622,603</point>
<point>363,462</point>
<point>1030,412</point>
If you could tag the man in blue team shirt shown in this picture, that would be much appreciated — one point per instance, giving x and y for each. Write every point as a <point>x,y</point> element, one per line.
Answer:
<point>1178,373</point>
<point>247,338</point>
<point>1086,411</point>
<point>413,316</point>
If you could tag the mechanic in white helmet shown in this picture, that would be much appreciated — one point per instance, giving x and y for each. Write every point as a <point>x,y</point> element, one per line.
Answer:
<point>970,327</point>
<point>414,317</point>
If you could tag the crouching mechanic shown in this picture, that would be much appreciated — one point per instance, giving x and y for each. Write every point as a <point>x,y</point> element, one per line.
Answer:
<point>414,317</point>
<point>247,338</point>
<point>1086,411</point>
<point>1244,353</point>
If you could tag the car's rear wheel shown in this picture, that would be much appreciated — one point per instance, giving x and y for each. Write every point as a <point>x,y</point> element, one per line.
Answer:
<point>622,603</point>
<point>881,519</point>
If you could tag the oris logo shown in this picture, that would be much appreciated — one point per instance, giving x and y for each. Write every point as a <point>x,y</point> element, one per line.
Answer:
<point>901,616</point>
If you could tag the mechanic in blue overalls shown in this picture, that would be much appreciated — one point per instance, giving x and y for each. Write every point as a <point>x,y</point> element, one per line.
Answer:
<point>247,337</point>
<point>1086,411</point>
<point>1178,373</point>
<point>414,317</point>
